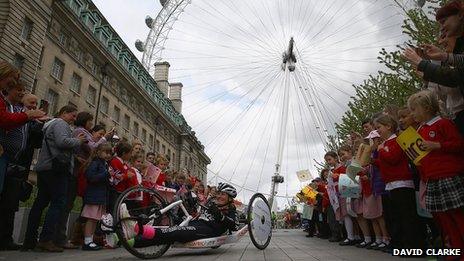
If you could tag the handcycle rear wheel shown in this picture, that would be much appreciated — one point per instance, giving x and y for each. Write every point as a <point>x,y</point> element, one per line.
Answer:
<point>141,203</point>
<point>259,221</point>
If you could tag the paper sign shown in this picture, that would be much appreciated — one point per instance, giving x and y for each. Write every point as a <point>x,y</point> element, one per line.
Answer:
<point>304,175</point>
<point>348,188</point>
<point>410,141</point>
<point>363,154</point>
<point>309,193</point>
<point>307,212</point>
<point>152,173</point>
<point>353,169</point>
<point>333,197</point>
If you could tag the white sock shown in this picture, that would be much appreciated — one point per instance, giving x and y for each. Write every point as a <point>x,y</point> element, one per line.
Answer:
<point>367,239</point>
<point>378,240</point>
<point>88,240</point>
<point>386,240</point>
<point>349,227</point>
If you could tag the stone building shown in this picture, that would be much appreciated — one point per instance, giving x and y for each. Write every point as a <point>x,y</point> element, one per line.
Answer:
<point>69,54</point>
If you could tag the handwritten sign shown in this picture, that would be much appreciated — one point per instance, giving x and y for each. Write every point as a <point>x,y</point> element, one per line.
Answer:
<point>411,143</point>
<point>304,175</point>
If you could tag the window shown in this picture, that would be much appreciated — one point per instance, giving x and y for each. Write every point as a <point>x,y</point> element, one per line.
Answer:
<point>157,146</point>
<point>116,114</point>
<point>79,54</point>
<point>163,149</point>
<point>173,159</point>
<point>76,81</point>
<point>91,95</point>
<point>126,122</point>
<point>90,23</point>
<point>105,105</point>
<point>136,129</point>
<point>57,69</point>
<point>52,98</point>
<point>94,68</point>
<point>76,6</point>
<point>62,38</point>
<point>144,135</point>
<point>169,153</point>
<point>18,61</point>
<point>150,141</point>
<point>27,29</point>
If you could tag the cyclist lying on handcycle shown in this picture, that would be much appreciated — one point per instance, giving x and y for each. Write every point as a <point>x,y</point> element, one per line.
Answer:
<point>218,217</point>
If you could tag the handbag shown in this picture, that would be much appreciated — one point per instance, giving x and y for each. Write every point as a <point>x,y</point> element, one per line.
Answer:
<point>20,189</point>
<point>57,164</point>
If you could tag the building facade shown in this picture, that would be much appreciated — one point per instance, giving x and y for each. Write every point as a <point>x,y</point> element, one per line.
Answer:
<point>69,54</point>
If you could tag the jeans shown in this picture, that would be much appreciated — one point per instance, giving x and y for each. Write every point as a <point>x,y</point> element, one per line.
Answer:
<point>52,189</point>
<point>3,167</point>
<point>61,237</point>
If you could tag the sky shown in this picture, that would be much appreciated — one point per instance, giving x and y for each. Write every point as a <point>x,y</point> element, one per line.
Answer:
<point>228,55</point>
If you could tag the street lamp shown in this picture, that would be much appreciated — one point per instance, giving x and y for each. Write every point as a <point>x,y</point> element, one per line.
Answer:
<point>104,73</point>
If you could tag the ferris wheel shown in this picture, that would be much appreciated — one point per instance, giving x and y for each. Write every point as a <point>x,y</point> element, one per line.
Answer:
<point>266,80</point>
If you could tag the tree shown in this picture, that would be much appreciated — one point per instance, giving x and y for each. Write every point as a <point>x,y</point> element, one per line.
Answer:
<point>399,80</point>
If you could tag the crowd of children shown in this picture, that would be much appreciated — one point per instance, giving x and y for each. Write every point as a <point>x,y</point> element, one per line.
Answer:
<point>402,203</point>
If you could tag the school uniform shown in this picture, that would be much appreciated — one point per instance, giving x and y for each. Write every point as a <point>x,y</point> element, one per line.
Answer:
<point>406,229</point>
<point>443,170</point>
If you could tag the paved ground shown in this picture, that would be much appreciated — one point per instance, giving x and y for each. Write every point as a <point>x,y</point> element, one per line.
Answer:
<point>285,245</point>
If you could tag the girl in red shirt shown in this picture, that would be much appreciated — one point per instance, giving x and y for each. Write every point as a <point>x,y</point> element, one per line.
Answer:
<point>442,168</point>
<point>400,204</point>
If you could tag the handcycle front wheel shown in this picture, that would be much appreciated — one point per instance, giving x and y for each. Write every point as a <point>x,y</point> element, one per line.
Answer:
<point>259,221</point>
<point>143,206</point>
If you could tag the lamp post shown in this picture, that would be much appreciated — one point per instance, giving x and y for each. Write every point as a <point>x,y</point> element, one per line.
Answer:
<point>104,72</point>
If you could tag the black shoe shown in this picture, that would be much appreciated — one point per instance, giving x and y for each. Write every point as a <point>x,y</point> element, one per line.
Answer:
<point>334,239</point>
<point>348,242</point>
<point>11,246</point>
<point>363,244</point>
<point>388,249</point>
<point>91,247</point>
<point>372,245</point>
<point>309,235</point>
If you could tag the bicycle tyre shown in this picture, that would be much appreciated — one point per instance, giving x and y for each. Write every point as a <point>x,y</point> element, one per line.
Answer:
<point>129,246</point>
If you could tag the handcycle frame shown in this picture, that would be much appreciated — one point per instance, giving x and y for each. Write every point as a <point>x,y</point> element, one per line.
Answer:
<point>258,220</point>
<point>205,242</point>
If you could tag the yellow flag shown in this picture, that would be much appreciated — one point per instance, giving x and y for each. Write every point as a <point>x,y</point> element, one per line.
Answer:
<point>410,141</point>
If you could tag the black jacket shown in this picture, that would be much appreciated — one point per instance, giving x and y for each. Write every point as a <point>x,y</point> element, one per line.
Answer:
<point>443,74</point>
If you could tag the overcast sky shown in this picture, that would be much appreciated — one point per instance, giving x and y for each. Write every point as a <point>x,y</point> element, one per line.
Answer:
<point>228,55</point>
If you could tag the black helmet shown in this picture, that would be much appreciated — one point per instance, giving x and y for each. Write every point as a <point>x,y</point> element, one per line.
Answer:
<point>228,189</point>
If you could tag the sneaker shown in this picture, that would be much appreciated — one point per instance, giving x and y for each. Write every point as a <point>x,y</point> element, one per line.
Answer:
<point>48,246</point>
<point>381,246</point>
<point>347,242</point>
<point>128,226</point>
<point>91,247</point>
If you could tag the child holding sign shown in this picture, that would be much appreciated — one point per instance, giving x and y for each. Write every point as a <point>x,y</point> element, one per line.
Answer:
<point>394,169</point>
<point>331,158</point>
<point>346,155</point>
<point>442,169</point>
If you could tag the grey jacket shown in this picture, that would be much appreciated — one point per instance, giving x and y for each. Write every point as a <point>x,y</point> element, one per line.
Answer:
<point>58,134</point>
